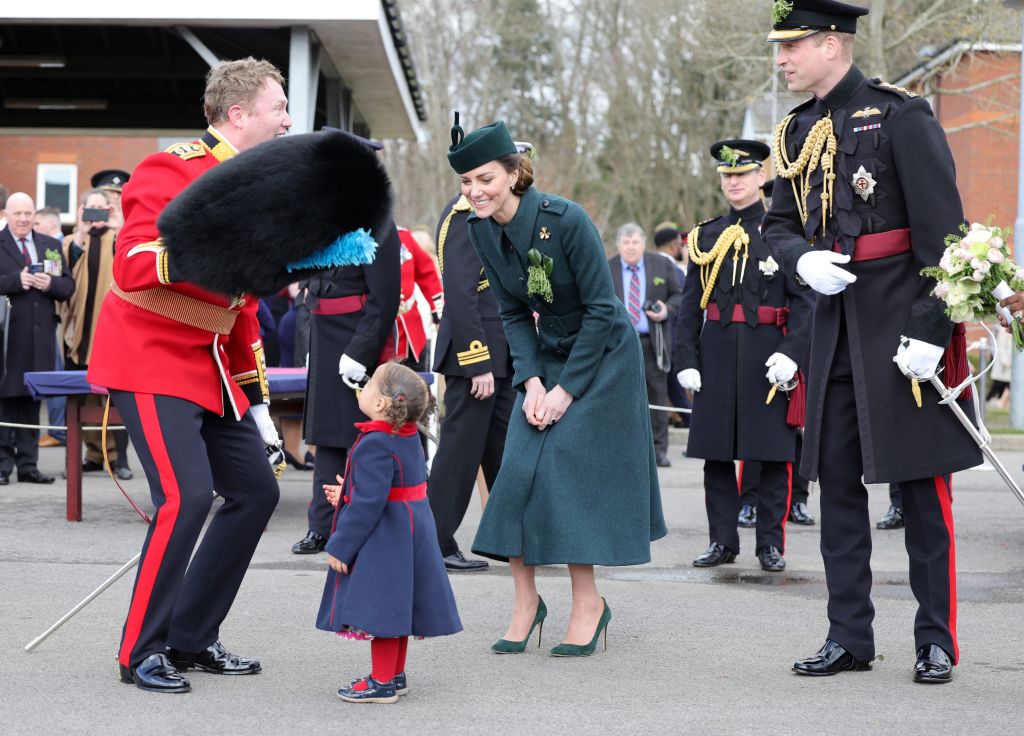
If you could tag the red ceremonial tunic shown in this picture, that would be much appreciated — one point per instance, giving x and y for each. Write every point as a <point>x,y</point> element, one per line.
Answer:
<point>138,350</point>
<point>418,269</point>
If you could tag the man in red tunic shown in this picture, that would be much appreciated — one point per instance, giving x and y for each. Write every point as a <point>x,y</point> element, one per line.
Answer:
<point>418,269</point>
<point>185,369</point>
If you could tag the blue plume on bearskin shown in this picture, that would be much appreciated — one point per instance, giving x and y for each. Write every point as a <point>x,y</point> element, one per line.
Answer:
<point>357,248</point>
<point>278,213</point>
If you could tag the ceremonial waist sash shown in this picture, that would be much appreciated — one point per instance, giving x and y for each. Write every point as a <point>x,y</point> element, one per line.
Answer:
<point>777,316</point>
<point>340,305</point>
<point>403,493</point>
<point>181,308</point>
<point>880,245</point>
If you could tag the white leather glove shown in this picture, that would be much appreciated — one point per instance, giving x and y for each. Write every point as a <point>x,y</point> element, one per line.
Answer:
<point>689,379</point>
<point>917,359</point>
<point>818,269</point>
<point>781,369</point>
<point>352,372</point>
<point>261,414</point>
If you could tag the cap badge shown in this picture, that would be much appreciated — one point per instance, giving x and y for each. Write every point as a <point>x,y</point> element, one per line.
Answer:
<point>781,10</point>
<point>863,183</point>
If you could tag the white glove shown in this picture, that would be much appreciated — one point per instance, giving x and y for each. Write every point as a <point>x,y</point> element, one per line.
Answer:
<point>689,379</point>
<point>261,414</point>
<point>917,359</point>
<point>818,269</point>
<point>781,369</point>
<point>352,372</point>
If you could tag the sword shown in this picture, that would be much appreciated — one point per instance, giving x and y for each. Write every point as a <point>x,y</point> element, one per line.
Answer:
<point>979,434</point>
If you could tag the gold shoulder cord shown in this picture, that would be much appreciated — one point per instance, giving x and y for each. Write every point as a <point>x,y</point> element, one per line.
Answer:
<point>819,149</point>
<point>734,237</point>
<point>461,205</point>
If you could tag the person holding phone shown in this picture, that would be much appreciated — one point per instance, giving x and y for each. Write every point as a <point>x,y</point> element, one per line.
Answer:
<point>647,284</point>
<point>34,277</point>
<point>89,252</point>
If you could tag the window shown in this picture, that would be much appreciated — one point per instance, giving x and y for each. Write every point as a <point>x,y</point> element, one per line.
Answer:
<point>57,186</point>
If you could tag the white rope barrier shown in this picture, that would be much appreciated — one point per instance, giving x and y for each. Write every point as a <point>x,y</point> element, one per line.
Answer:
<point>90,428</point>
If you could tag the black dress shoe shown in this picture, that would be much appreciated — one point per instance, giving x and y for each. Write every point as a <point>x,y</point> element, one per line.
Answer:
<point>799,514</point>
<point>91,466</point>
<point>771,559</point>
<point>458,562</point>
<point>155,673</point>
<point>291,460</point>
<point>933,665</point>
<point>5,479</point>
<point>310,544</point>
<point>663,462</point>
<point>34,476</point>
<point>831,659</point>
<point>715,554</point>
<point>216,659</point>
<point>893,519</point>
<point>747,517</point>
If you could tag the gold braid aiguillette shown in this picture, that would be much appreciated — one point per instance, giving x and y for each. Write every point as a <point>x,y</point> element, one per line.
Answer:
<point>734,237</point>
<point>819,149</point>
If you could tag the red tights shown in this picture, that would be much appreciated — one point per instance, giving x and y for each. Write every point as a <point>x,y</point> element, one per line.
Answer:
<point>388,657</point>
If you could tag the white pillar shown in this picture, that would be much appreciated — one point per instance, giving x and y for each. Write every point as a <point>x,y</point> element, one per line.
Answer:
<point>303,72</point>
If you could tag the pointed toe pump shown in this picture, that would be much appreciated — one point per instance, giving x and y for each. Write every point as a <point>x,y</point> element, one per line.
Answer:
<point>505,646</point>
<point>585,650</point>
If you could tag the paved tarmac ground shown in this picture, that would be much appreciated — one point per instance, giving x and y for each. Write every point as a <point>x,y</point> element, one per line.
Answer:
<point>689,651</point>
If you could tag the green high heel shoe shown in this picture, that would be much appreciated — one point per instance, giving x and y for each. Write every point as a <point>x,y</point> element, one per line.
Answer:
<point>585,650</point>
<point>505,646</point>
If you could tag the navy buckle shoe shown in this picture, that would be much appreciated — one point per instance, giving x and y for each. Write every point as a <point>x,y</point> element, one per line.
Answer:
<point>374,692</point>
<point>401,683</point>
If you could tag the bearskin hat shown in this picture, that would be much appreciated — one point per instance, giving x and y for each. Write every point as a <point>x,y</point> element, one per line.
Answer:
<point>277,213</point>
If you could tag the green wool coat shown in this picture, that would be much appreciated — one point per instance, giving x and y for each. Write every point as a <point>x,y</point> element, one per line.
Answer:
<point>585,490</point>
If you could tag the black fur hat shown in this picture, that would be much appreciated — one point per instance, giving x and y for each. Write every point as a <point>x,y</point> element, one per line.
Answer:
<point>236,228</point>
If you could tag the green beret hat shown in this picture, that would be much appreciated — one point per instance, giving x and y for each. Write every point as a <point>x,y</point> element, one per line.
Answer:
<point>484,144</point>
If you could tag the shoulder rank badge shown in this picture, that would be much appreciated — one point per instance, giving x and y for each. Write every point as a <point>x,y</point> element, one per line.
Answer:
<point>863,183</point>
<point>186,151</point>
<point>867,112</point>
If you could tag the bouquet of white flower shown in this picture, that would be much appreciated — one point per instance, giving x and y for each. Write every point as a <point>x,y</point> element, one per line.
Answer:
<point>975,273</point>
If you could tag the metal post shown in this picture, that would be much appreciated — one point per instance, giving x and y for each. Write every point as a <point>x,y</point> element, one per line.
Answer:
<point>301,97</point>
<point>982,387</point>
<point>1017,371</point>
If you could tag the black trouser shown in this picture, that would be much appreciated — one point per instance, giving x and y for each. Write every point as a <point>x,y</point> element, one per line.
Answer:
<point>472,437</point>
<point>657,394</point>
<point>329,462</point>
<point>187,454</point>
<point>896,495</point>
<point>846,533</point>
<point>19,446</point>
<point>722,500</point>
<point>750,475</point>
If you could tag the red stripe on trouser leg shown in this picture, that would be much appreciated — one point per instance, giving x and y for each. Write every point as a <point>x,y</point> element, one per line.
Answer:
<point>739,480</point>
<point>163,520</point>
<point>945,494</point>
<point>403,650</point>
<point>789,501</point>
<point>384,655</point>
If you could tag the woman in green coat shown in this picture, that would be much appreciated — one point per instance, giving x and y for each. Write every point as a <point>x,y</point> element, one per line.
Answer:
<point>578,483</point>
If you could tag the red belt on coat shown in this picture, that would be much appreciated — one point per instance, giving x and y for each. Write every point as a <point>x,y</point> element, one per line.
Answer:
<point>879,245</point>
<point>777,316</point>
<point>408,493</point>
<point>340,305</point>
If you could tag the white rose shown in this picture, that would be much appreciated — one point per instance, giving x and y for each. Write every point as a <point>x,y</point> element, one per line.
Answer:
<point>977,276</point>
<point>994,255</point>
<point>941,290</point>
<point>975,264</point>
<point>977,226</point>
<point>996,242</point>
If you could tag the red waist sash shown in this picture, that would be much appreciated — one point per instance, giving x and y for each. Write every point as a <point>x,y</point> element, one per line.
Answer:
<point>880,245</point>
<point>777,316</point>
<point>408,493</point>
<point>340,305</point>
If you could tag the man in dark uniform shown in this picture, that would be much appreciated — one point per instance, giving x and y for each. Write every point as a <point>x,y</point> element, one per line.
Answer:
<point>354,310</point>
<point>750,475</point>
<point>473,355</point>
<point>185,369</point>
<point>866,180</point>
<point>739,315</point>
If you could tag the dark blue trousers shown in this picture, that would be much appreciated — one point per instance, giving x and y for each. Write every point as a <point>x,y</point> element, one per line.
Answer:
<point>846,533</point>
<point>722,500</point>
<point>189,453</point>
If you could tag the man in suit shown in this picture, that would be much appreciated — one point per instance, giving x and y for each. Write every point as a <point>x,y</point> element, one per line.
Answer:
<point>33,276</point>
<point>649,287</point>
<point>473,356</point>
<point>669,243</point>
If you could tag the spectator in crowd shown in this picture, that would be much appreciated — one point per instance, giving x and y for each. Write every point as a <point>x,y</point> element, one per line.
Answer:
<point>291,426</point>
<point>33,276</point>
<point>47,222</point>
<point>90,255</point>
<point>111,181</point>
<point>649,287</point>
<point>668,243</point>
<point>3,204</point>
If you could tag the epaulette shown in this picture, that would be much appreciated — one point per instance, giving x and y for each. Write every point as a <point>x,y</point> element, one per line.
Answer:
<point>711,219</point>
<point>802,105</point>
<point>554,205</point>
<point>879,84</point>
<point>186,150</point>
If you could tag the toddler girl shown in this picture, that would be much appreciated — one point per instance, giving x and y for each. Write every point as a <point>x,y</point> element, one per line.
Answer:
<point>387,580</point>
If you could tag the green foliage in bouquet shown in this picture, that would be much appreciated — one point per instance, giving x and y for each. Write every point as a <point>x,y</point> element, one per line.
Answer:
<point>538,275</point>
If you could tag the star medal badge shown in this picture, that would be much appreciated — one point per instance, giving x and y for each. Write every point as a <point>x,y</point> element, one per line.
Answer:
<point>863,183</point>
